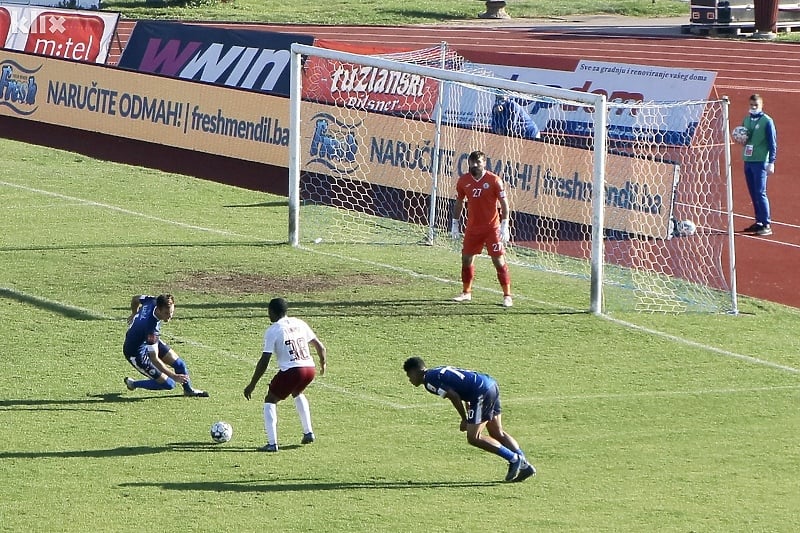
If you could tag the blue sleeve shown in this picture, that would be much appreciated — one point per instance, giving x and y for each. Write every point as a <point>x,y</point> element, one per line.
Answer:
<point>772,140</point>
<point>529,128</point>
<point>500,119</point>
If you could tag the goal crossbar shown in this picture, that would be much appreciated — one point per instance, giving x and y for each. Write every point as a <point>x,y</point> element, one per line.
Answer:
<point>451,75</point>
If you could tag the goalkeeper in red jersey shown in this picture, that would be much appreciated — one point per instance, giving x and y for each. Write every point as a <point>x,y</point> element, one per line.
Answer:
<point>482,191</point>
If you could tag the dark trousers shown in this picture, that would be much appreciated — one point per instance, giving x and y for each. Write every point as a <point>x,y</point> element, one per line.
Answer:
<point>756,176</point>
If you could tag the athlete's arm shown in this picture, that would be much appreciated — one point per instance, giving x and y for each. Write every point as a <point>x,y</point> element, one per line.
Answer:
<point>458,403</point>
<point>459,208</point>
<point>261,367</point>
<point>166,370</point>
<point>504,208</point>
<point>135,303</point>
<point>322,353</point>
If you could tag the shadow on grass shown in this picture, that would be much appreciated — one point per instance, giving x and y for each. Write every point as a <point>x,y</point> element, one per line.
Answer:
<point>261,204</point>
<point>420,14</point>
<point>125,245</point>
<point>489,306</point>
<point>49,305</point>
<point>126,451</point>
<point>121,451</point>
<point>303,485</point>
<point>111,5</point>
<point>207,446</point>
<point>65,404</point>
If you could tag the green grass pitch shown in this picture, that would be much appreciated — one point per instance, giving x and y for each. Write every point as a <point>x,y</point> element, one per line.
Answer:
<point>636,423</point>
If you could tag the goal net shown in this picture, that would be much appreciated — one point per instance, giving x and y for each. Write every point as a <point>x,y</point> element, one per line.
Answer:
<point>632,197</point>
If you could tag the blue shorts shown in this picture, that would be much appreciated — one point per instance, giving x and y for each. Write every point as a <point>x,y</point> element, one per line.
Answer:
<point>485,407</point>
<point>141,359</point>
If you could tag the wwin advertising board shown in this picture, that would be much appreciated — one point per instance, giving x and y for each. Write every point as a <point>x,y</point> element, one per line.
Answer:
<point>247,59</point>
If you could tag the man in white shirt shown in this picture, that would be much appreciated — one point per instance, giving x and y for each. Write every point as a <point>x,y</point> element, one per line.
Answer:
<point>289,339</point>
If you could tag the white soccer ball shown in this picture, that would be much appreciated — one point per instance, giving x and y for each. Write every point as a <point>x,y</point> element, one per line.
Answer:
<point>739,134</point>
<point>687,228</point>
<point>221,432</point>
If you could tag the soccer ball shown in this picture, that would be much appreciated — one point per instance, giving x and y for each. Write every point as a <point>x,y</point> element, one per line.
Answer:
<point>739,134</point>
<point>221,432</point>
<point>687,227</point>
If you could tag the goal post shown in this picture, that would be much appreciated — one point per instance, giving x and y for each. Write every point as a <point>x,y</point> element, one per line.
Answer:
<point>377,142</point>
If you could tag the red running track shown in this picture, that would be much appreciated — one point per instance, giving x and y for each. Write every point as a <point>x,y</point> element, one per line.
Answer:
<point>765,266</point>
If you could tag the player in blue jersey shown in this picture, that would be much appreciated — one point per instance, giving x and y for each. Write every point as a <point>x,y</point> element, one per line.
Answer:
<point>476,397</point>
<point>147,353</point>
<point>510,118</point>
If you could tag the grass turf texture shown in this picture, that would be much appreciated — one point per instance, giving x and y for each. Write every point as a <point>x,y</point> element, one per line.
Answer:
<point>636,423</point>
<point>372,12</point>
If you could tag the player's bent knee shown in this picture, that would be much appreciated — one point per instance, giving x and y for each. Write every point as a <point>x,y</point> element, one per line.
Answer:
<point>474,440</point>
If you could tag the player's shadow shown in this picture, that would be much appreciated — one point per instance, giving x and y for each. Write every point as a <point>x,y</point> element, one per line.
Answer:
<point>206,446</point>
<point>309,485</point>
<point>92,402</point>
<point>121,451</point>
<point>126,451</point>
<point>47,305</point>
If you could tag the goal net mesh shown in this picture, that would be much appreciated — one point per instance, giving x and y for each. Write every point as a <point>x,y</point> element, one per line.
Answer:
<point>381,150</point>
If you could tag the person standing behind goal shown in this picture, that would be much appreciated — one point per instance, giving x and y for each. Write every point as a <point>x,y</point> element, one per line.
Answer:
<point>482,191</point>
<point>759,155</point>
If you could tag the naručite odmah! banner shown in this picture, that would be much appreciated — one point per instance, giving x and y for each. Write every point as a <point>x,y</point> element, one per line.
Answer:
<point>383,149</point>
<point>67,33</point>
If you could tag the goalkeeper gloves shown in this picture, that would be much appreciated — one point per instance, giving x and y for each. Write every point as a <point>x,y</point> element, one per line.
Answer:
<point>455,229</point>
<point>505,235</point>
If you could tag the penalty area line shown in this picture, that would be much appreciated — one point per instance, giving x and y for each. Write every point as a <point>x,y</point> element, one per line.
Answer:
<point>630,325</point>
<point>419,275</point>
<point>516,400</point>
<point>705,347</point>
<point>316,383</point>
<point>137,214</point>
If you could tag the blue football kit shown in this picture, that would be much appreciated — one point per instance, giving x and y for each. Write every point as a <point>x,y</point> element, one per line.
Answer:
<point>478,390</point>
<point>144,326</point>
<point>141,340</point>
<point>510,118</point>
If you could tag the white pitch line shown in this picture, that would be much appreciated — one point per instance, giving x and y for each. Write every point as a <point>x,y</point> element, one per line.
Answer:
<point>317,382</point>
<point>651,394</point>
<point>43,206</point>
<point>119,209</point>
<point>428,405</point>
<point>695,344</point>
<point>515,400</point>
<point>414,274</point>
<point>419,275</point>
